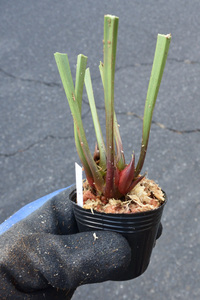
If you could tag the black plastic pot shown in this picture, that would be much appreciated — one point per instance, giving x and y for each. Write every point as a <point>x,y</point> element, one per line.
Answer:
<point>140,229</point>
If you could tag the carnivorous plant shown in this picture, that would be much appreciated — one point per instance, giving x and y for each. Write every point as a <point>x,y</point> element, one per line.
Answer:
<point>106,170</point>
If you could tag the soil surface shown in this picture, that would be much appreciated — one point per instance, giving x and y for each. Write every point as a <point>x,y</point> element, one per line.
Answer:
<point>146,195</point>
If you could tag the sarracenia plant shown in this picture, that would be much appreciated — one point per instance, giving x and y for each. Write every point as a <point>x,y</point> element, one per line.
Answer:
<point>106,170</point>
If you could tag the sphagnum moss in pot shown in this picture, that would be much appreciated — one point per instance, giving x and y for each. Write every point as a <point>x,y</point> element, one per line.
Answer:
<point>115,196</point>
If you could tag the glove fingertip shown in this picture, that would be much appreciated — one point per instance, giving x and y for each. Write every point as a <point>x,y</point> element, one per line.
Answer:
<point>104,256</point>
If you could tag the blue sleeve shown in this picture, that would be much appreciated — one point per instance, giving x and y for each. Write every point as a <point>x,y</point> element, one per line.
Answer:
<point>27,210</point>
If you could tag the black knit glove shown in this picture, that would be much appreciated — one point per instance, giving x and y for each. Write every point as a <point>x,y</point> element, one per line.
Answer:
<point>44,256</point>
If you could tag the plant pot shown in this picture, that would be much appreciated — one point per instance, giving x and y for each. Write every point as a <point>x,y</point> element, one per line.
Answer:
<point>140,229</point>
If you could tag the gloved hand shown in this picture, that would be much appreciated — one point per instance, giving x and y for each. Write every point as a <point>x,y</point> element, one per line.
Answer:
<point>44,257</point>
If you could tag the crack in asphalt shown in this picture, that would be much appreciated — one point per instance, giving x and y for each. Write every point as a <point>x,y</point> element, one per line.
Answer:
<point>41,141</point>
<point>162,126</point>
<point>185,61</point>
<point>50,84</point>
<point>54,84</point>
<point>49,136</point>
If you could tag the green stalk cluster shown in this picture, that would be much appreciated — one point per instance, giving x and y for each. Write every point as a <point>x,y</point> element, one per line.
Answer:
<point>106,170</point>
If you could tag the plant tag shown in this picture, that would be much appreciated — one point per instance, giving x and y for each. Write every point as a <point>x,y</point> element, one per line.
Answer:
<point>79,184</point>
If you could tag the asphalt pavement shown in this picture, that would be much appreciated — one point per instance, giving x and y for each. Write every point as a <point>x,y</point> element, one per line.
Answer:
<point>37,151</point>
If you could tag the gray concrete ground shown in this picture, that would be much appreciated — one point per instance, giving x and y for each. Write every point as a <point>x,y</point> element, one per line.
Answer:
<point>37,151</point>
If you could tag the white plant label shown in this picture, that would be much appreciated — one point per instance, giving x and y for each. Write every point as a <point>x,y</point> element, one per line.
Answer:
<point>79,184</point>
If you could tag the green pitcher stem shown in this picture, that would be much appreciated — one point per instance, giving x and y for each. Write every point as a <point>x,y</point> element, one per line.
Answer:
<point>110,45</point>
<point>160,57</point>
